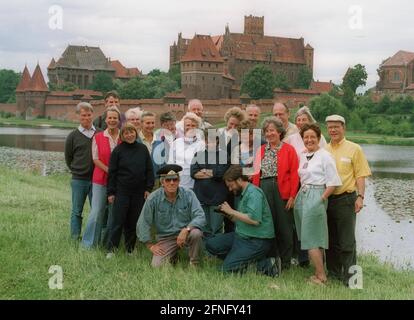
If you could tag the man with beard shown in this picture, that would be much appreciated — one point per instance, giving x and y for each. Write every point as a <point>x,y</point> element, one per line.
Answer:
<point>252,238</point>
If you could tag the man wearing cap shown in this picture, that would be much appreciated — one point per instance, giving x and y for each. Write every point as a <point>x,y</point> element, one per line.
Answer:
<point>346,201</point>
<point>176,216</point>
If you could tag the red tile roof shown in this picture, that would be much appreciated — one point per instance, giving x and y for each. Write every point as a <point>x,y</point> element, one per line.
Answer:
<point>122,72</point>
<point>254,47</point>
<point>399,59</point>
<point>202,48</point>
<point>218,41</point>
<point>37,83</point>
<point>25,81</point>
<point>320,86</point>
<point>52,64</point>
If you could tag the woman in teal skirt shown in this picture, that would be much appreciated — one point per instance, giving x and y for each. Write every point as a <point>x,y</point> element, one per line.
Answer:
<point>318,177</point>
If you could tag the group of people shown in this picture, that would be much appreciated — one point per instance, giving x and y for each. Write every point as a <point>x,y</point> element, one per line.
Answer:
<point>266,196</point>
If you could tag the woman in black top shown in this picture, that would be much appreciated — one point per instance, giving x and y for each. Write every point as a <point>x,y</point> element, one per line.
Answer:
<point>130,181</point>
<point>207,170</point>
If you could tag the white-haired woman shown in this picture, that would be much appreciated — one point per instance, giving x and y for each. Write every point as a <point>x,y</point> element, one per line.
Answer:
<point>303,116</point>
<point>133,116</point>
<point>183,149</point>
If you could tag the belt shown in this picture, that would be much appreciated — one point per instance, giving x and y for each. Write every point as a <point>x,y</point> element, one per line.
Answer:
<point>274,177</point>
<point>345,194</point>
<point>306,187</point>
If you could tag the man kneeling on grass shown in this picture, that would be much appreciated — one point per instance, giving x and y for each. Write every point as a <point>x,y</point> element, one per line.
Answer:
<point>176,216</point>
<point>252,239</point>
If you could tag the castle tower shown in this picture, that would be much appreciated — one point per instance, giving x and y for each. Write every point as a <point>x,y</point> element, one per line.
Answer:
<point>308,52</point>
<point>21,92</point>
<point>36,95</point>
<point>202,69</point>
<point>254,25</point>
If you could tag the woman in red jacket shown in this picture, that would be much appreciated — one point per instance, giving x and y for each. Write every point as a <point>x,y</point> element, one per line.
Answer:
<point>103,144</point>
<point>276,173</point>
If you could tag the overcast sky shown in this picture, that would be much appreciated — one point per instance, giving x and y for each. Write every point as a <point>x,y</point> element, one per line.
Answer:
<point>139,33</point>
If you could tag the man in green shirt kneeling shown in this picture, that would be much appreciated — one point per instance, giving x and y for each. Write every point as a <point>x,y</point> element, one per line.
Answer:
<point>254,231</point>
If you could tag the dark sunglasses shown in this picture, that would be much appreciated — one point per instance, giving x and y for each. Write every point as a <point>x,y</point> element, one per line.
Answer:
<point>171,179</point>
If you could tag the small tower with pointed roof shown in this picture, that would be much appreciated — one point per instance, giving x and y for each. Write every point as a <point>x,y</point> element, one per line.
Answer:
<point>31,94</point>
<point>21,92</point>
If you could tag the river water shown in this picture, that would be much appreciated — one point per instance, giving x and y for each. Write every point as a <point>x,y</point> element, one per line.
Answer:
<point>385,226</point>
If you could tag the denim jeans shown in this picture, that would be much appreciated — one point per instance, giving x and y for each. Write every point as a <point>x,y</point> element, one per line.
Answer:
<point>214,221</point>
<point>238,252</point>
<point>93,234</point>
<point>80,190</point>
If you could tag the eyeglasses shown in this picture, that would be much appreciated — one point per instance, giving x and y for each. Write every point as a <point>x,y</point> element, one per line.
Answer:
<point>171,179</point>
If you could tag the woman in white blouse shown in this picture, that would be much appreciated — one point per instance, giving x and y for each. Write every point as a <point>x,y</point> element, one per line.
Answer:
<point>303,116</point>
<point>318,177</point>
<point>183,149</point>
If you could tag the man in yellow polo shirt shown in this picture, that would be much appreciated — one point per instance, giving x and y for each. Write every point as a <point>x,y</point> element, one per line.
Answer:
<point>346,201</point>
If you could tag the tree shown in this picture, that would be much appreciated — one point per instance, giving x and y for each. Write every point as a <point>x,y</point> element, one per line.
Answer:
<point>154,73</point>
<point>325,105</point>
<point>175,74</point>
<point>355,77</point>
<point>384,104</point>
<point>8,83</point>
<point>150,87</point>
<point>281,81</point>
<point>102,82</point>
<point>304,77</point>
<point>258,82</point>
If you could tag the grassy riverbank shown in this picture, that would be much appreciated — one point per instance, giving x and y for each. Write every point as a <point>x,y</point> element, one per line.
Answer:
<point>34,236</point>
<point>42,123</point>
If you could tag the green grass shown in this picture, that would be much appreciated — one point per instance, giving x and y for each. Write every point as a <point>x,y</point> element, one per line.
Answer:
<point>34,235</point>
<point>37,123</point>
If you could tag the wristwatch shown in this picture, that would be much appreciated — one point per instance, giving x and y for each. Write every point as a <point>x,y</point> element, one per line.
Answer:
<point>361,196</point>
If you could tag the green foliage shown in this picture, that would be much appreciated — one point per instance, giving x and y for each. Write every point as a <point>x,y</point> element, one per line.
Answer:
<point>304,77</point>
<point>325,105</point>
<point>155,73</point>
<point>355,77</point>
<point>8,83</point>
<point>258,82</point>
<point>153,86</point>
<point>348,98</point>
<point>175,74</point>
<point>355,122</point>
<point>384,104</point>
<point>102,82</point>
<point>281,81</point>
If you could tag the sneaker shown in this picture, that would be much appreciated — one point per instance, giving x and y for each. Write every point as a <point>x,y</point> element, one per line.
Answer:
<point>109,255</point>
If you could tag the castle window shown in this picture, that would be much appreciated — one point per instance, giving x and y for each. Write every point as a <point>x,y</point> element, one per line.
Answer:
<point>209,65</point>
<point>202,64</point>
<point>202,78</point>
<point>214,78</point>
<point>396,76</point>
<point>216,65</point>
